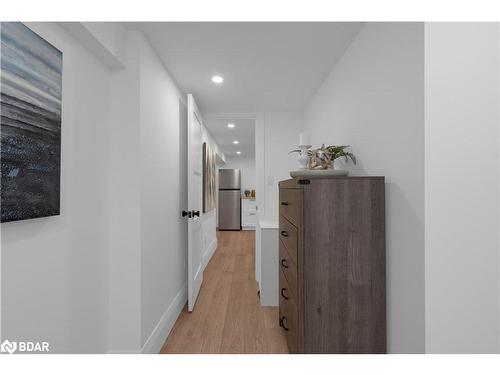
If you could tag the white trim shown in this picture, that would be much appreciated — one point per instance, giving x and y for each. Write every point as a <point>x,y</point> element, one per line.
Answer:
<point>207,255</point>
<point>232,115</point>
<point>159,335</point>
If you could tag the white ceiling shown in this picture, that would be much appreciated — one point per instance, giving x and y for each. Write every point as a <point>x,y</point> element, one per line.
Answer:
<point>266,66</point>
<point>243,131</point>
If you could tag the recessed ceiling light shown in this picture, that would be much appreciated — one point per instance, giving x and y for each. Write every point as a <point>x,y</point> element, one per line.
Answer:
<point>230,125</point>
<point>238,152</point>
<point>235,142</point>
<point>217,79</point>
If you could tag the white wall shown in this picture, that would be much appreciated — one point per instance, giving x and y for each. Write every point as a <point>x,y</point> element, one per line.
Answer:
<point>260,172</point>
<point>207,137</point>
<point>247,166</point>
<point>373,100</point>
<point>461,187</point>
<point>163,257</point>
<point>279,135</point>
<point>124,258</point>
<point>54,270</point>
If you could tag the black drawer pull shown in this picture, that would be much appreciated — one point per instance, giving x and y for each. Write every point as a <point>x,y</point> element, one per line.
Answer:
<point>284,203</point>
<point>283,294</point>
<point>284,233</point>
<point>284,263</point>
<point>282,323</point>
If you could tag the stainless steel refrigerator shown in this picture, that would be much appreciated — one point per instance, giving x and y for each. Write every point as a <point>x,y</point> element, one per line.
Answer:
<point>229,199</point>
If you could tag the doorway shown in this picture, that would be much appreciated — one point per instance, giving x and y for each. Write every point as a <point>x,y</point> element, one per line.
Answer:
<point>229,317</point>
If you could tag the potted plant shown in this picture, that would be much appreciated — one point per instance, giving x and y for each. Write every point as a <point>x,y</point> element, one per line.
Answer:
<point>324,157</point>
<point>336,152</point>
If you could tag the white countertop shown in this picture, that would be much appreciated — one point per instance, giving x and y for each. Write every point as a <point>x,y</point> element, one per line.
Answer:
<point>264,224</point>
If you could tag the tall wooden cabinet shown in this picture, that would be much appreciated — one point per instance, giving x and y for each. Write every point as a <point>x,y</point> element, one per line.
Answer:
<point>332,264</point>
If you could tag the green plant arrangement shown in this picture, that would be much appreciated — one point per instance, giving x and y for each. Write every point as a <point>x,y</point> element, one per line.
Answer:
<point>324,157</point>
<point>340,151</point>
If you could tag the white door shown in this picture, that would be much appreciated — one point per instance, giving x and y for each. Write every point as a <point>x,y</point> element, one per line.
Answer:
<point>195,240</point>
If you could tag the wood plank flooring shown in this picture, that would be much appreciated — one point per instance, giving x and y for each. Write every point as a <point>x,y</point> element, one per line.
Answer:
<point>228,317</point>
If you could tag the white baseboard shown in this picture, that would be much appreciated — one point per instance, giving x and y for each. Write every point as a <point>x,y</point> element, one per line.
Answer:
<point>207,255</point>
<point>250,227</point>
<point>157,338</point>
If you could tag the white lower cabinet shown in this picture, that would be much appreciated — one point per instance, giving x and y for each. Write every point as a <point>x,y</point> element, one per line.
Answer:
<point>266,262</point>
<point>248,213</point>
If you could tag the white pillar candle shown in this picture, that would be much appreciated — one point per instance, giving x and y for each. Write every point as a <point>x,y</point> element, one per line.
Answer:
<point>305,139</point>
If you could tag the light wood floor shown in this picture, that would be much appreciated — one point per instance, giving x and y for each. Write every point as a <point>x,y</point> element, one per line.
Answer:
<point>228,317</point>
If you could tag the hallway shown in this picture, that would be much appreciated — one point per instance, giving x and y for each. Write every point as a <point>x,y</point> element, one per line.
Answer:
<point>228,317</point>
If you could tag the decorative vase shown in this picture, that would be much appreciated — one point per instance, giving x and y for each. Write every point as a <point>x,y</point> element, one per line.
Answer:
<point>303,158</point>
<point>320,160</point>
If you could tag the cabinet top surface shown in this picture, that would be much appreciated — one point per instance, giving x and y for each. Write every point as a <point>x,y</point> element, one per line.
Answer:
<point>296,181</point>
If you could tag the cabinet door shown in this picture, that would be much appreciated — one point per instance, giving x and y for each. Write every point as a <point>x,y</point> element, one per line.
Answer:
<point>344,266</point>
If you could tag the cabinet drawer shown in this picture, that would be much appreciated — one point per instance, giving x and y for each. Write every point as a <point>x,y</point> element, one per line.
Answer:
<point>289,269</point>
<point>251,214</point>
<point>248,204</point>
<point>288,315</point>
<point>248,218</point>
<point>289,204</point>
<point>289,237</point>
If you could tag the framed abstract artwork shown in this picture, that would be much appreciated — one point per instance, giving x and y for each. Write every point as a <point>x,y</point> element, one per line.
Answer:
<point>209,175</point>
<point>30,107</point>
